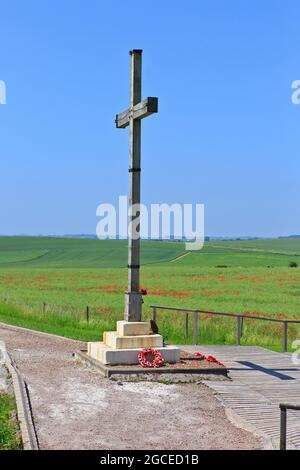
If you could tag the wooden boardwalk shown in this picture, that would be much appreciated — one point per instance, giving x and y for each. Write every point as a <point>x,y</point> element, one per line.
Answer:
<point>261,379</point>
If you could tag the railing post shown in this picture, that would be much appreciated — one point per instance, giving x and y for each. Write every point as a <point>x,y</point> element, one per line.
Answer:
<point>154,314</point>
<point>285,336</point>
<point>186,325</point>
<point>195,329</point>
<point>238,330</point>
<point>87,313</point>
<point>283,420</point>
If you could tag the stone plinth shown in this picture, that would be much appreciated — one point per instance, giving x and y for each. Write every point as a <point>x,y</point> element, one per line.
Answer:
<point>113,340</point>
<point>101,352</point>
<point>122,346</point>
<point>125,328</point>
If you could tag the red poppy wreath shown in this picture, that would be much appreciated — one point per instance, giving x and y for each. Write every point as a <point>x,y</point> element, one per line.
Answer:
<point>150,358</point>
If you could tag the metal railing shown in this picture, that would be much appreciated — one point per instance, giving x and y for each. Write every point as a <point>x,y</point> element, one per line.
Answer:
<point>239,321</point>
<point>85,312</point>
<point>283,421</point>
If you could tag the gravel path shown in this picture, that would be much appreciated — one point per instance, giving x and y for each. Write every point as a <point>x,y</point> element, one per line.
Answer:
<point>75,408</point>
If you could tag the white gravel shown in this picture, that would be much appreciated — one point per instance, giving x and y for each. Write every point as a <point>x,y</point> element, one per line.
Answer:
<point>75,408</point>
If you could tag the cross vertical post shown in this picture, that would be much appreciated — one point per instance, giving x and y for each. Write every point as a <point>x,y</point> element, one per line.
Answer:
<point>133,299</point>
<point>132,117</point>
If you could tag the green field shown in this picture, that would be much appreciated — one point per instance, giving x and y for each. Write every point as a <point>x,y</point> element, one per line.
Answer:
<point>230,276</point>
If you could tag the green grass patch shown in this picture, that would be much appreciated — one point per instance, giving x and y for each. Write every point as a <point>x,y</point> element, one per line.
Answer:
<point>58,324</point>
<point>9,432</point>
<point>211,329</point>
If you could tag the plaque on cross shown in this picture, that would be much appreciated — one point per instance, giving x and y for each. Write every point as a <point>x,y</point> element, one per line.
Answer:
<point>132,117</point>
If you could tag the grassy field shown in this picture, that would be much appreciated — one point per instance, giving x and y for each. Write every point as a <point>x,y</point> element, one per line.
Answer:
<point>231,276</point>
<point>9,433</point>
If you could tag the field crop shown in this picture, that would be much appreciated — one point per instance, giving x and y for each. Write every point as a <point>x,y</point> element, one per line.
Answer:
<point>46,283</point>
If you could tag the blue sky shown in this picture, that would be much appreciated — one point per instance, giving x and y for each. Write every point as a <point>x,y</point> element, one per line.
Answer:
<point>227,133</point>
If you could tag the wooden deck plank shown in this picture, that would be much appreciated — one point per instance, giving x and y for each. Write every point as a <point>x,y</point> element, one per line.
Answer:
<point>260,380</point>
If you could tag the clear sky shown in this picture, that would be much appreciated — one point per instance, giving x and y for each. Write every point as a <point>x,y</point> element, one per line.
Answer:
<point>227,133</point>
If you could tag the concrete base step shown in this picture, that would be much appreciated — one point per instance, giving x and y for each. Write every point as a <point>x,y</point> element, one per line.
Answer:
<point>108,355</point>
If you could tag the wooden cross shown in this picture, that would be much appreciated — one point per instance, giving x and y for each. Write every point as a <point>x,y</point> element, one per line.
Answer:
<point>132,117</point>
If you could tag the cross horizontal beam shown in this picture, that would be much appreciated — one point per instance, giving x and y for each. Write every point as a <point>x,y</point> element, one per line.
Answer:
<point>139,111</point>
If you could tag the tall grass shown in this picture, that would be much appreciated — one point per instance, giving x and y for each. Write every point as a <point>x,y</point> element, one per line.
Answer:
<point>172,325</point>
<point>63,324</point>
<point>9,431</point>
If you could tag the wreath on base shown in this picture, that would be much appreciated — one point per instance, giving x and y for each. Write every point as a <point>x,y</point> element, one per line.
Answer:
<point>150,358</point>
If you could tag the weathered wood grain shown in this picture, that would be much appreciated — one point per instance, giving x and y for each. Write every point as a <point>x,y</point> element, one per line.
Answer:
<point>261,379</point>
<point>132,117</point>
<point>139,111</point>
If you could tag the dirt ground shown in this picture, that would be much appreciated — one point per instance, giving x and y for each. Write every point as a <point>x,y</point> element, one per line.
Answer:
<point>75,408</point>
